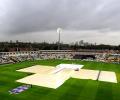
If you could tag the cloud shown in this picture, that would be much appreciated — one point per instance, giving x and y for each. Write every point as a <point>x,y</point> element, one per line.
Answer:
<point>40,16</point>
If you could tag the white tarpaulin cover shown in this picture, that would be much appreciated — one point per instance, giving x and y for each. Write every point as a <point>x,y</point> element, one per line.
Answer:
<point>67,66</point>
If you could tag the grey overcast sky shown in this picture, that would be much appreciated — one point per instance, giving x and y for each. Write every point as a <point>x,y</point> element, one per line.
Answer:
<point>37,20</point>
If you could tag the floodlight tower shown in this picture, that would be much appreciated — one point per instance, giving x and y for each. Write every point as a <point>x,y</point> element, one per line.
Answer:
<point>59,30</point>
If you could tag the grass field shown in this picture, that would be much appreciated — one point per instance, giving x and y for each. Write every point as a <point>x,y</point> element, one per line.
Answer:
<point>72,89</point>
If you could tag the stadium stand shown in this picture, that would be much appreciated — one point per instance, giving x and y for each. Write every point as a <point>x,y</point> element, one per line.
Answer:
<point>13,57</point>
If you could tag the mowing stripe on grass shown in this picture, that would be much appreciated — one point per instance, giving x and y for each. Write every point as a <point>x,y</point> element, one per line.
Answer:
<point>90,91</point>
<point>116,91</point>
<point>36,92</point>
<point>104,91</point>
<point>69,91</point>
<point>73,90</point>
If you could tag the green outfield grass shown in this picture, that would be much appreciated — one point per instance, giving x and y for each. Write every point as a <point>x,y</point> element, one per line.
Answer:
<point>72,89</point>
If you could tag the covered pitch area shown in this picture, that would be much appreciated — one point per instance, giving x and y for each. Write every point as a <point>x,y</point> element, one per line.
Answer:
<point>53,77</point>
